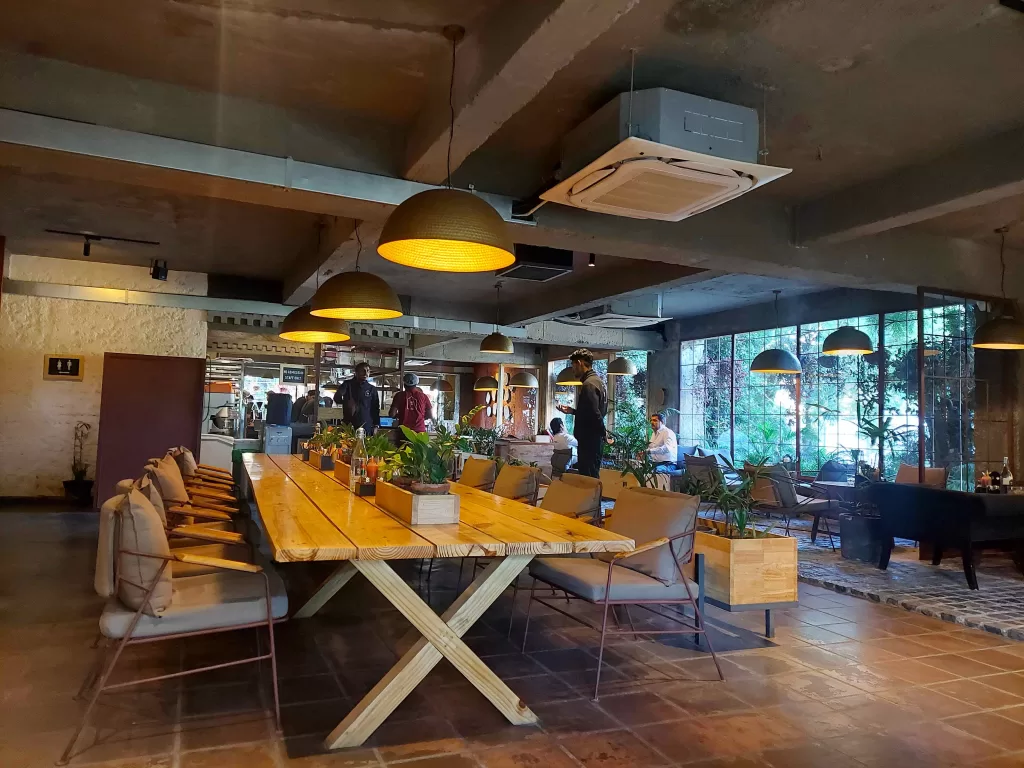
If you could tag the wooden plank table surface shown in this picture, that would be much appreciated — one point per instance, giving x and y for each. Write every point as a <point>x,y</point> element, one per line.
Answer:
<point>308,515</point>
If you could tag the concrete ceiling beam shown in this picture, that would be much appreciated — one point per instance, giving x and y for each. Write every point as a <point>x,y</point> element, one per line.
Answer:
<point>630,280</point>
<point>977,174</point>
<point>500,68</point>
<point>331,235</point>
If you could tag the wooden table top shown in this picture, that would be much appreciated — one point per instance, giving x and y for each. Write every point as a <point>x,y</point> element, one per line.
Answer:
<point>308,515</point>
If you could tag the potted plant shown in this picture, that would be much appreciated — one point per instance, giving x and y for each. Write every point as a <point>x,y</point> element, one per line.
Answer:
<point>378,449</point>
<point>79,489</point>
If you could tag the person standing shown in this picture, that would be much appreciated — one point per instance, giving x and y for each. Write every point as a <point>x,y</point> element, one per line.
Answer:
<point>359,400</point>
<point>590,411</point>
<point>412,406</point>
<point>662,447</point>
<point>297,406</point>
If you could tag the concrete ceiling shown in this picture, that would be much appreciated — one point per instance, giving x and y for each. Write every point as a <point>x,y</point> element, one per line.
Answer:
<point>903,123</point>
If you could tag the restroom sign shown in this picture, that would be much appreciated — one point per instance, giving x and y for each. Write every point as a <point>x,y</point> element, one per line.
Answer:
<point>63,367</point>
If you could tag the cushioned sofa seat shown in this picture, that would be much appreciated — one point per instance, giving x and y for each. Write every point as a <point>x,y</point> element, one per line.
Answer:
<point>223,599</point>
<point>587,578</point>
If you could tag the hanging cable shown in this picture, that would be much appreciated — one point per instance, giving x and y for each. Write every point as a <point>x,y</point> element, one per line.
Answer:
<point>632,72</point>
<point>497,305</point>
<point>451,108</point>
<point>359,252</point>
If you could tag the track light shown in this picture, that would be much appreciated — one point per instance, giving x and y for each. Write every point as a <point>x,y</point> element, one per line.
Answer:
<point>593,261</point>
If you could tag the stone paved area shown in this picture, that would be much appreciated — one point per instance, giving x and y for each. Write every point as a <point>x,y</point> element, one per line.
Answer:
<point>847,683</point>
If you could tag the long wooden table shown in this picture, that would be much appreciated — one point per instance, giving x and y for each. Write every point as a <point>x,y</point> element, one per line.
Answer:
<point>310,516</point>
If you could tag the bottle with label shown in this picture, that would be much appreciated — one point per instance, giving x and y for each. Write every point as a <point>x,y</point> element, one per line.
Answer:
<point>358,473</point>
<point>996,481</point>
<point>1006,477</point>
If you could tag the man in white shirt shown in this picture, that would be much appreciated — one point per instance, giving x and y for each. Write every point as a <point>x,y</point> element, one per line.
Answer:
<point>662,448</point>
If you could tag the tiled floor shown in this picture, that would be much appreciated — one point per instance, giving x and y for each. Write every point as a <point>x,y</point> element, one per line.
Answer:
<point>847,683</point>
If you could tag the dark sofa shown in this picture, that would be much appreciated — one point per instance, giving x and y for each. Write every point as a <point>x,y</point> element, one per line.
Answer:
<point>946,519</point>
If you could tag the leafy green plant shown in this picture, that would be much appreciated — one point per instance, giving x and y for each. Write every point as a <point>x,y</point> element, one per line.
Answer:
<point>737,503</point>
<point>379,446</point>
<point>423,457</point>
<point>78,465</point>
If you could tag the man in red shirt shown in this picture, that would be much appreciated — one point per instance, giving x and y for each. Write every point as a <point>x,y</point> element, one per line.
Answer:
<point>412,407</point>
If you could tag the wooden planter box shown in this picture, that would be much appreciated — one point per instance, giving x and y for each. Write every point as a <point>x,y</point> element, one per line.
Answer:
<point>417,510</point>
<point>321,460</point>
<point>747,574</point>
<point>343,472</point>
<point>613,481</point>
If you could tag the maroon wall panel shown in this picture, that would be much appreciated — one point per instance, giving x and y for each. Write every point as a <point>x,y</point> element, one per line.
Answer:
<point>147,405</point>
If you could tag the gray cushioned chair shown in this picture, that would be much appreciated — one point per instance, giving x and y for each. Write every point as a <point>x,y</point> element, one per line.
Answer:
<point>663,525</point>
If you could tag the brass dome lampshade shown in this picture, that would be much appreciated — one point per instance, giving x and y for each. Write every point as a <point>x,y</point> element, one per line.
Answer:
<point>447,230</point>
<point>485,384</point>
<point>443,385</point>
<point>524,380</point>
<point>497,343</point>
<point>621,366</point>
<point>568,378</point>
<point>300,325</point>
<point>356,296</point>
<point>1003,332</point>
<point>776,360</point>
<point>847,341</point>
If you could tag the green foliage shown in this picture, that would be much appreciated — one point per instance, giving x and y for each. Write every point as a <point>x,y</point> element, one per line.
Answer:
<point>422,458</point>
<point>78,465</point>
<point>631,436</point>
<point>481,440</point>
<point>642,468</point>
<point>379,446</point>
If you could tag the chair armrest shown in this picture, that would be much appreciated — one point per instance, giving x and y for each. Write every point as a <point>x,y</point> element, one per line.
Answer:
<point>212,483</point>
<point>206,514</point>
<point>205,493</point>
<point>642,548</point>
<point>212,469</point>
<point>216,562</point>
<point>207,534</point>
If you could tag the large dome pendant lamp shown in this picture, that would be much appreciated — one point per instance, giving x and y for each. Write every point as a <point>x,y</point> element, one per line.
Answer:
<point>302,326</point>
<point>776,360</point>
<point>447,230</point>
<point>356,295</point>
<point>1003,332</point>
<point>567,378</point>
<point>621,366</point>
<point>485,384</point>
<point>523,380</point>
<point>497,343</point>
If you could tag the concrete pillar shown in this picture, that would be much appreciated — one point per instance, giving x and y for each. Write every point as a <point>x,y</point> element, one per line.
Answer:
<point>663,377</point>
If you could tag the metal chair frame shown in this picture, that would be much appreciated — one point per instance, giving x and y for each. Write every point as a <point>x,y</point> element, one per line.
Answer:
<point>697,628</point>
<point>96,683</point>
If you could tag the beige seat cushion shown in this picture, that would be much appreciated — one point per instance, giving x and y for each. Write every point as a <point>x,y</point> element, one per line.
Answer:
<point>934,477</point>
<point>106,549</point>
<point>238,552</point>
<point>571,500</point>
<point>582,481</point>
<point>217,600</point>
<point>588,578</point>
<point>646,514</point>
<point>141,530</point>
<point>515,482</point>
<point>185,460</point>
<point>165,473</point>
<point>478,473</point>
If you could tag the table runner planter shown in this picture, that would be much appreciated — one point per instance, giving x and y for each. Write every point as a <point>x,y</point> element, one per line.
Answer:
<point>320,460</point>
<point>418,509</point>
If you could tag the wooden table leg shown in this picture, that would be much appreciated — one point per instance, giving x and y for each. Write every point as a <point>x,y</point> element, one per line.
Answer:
<point>326,591</point>
<point>440,639</point>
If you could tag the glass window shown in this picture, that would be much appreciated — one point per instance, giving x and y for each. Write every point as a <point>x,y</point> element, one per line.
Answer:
<point>705,411</point>
<point>765,403</point>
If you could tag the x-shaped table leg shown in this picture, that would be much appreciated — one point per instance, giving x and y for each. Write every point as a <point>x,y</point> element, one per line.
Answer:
<point>442,637</point>
<point>326,591</point>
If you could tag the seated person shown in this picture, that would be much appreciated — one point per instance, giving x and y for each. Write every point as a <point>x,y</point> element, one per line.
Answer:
<point>560,439</point>
<point>662,448</point>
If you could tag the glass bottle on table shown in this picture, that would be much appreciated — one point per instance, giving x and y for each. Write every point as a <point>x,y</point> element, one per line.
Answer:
<point>357,474</point>
<point>1006,476</point>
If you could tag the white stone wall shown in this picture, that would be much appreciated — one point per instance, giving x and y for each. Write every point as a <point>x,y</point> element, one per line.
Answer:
<point>37,417</point>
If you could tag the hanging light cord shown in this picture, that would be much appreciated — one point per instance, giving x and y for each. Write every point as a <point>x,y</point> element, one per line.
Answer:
<point>1002,261</point>
<point>764,122</point>
<point>497,306</point>
<point>632,71</point>
<point>451,109</point>
<point>359,252</point>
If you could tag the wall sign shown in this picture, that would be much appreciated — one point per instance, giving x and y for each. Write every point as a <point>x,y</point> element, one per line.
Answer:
<point>63,367</point>
<point>292,375</point>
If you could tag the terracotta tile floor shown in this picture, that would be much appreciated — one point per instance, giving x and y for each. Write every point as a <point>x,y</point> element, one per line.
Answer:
<point>846,683</point>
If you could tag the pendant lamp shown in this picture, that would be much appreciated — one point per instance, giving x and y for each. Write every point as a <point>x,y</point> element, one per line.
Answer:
<point>447,230</point>
<point>356,295</point>
<point>443,385</point>
<point>847,341</point>
<point>621,366</point>
<point>497,343</point>
<point>485,384</point>
<point>1000,332</point>
<point>300,325</point>
<point>567,378</point>
<point>524,380</point>
<point>776,360</point>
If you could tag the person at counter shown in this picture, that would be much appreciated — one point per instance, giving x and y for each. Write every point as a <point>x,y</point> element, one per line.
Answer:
<point>298,405</point>
<point>359,400</point>
<point>309,408</point>
<point>411,406</point>
<point>591,408</point>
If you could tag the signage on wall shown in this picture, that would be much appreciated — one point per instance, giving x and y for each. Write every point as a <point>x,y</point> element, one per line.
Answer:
<point>63,367</point>
<point>291,375</point>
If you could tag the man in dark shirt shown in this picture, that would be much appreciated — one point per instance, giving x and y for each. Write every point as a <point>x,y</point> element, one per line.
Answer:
<point>297,407</point>
<point>591,408</point>
<point>359,400</point>
<point>412,406</point>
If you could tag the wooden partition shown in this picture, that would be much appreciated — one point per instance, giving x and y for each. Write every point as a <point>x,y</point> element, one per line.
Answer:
<point>148,404</point>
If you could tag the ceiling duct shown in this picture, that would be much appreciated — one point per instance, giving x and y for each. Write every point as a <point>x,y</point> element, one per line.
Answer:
<point>538,264</point>
<point>661,154</point>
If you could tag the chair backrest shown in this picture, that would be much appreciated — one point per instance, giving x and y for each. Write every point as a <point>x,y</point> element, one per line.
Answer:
<point>478,473</point>
<point>560,460</point>
<point>516,482</point>
<point>130,528</point>
<point>646,514</point>
<point>763,492</point>
<point>834,471</point>
<point>583,481</point>
<point>934,477</point>
<point>571,500</point>
<point>705,469</point>
<point>783,486</point>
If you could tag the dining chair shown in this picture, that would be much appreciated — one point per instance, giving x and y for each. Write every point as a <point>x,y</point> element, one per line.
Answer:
<point>663,524</point>
<point>795,499</point>
<point>567,498</point>
<point>518,483</point>
<point>147,602</point>
<point>934,477</point>
<point>478,473</point>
